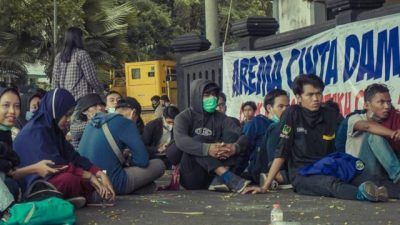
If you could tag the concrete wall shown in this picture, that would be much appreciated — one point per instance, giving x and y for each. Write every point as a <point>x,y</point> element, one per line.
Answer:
<point>293,14</point>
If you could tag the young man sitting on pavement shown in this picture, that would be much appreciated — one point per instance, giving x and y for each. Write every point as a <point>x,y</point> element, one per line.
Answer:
<point>367,135</point>
<point>157,134</point>
<point>86,107</point>
<point>113,142</point>
<point>207,139</point>
<point>131,109</point>
<point>307,135</point>
<point>275,103</point>
<point>221,107</point>
<point>249,109</point>
<point>111,101</point>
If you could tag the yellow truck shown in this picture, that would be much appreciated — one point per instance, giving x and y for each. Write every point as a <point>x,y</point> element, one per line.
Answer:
<point>146,79</point>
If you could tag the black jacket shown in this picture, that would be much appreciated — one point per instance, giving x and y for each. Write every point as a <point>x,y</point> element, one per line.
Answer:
<point>195,129</point>
<point>8,158</point>
<point>152,134</point>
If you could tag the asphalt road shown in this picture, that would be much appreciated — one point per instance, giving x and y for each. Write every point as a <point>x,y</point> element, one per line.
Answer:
<point>204,207</point>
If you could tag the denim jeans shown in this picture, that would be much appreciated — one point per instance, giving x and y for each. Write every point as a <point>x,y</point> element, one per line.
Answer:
<point>379,158</point>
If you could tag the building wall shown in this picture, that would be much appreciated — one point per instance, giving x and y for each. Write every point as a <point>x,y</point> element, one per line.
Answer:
<point>293,14</point>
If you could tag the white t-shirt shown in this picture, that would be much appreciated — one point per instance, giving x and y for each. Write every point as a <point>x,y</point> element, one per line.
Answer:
<point>355,138</point>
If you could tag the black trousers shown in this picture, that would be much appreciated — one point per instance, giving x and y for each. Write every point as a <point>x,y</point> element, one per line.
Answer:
<point>196,172</point>
<point>329,186</point>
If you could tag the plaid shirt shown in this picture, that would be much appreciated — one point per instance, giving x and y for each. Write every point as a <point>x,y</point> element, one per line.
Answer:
<point>78,76</point>
<point>76,130</point>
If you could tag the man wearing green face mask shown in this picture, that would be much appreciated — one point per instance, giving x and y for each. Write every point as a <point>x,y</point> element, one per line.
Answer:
<point>209,141</point>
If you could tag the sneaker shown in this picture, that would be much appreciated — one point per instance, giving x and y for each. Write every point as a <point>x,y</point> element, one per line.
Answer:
<point>263,180</point>
<point>146,190</point>
<point>369,191</point>
<point>96,200</point>
<point>77,202</point>
<point>237,184</point>
<point>217,184</point>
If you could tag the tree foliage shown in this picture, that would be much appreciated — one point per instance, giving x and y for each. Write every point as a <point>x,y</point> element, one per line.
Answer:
<point>116,31</point>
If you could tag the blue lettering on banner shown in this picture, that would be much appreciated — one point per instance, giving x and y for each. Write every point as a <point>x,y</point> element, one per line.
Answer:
<point>388,53</point>
<point>295,56</point>
<point>367,56</point>
<point>352,45</point>
<point>331,68</point>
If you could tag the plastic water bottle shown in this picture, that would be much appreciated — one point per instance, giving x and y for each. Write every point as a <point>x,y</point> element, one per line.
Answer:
<point>276,214</point>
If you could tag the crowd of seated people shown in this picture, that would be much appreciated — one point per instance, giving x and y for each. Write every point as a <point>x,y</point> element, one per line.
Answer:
<point>87,151</point>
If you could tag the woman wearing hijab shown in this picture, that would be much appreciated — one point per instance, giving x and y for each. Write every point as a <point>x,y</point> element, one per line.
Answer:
<point>9,173</point>
<point>43,138</point>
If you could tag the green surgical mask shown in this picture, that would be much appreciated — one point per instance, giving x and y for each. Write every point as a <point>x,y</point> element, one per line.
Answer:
<point>4,127</point>
<point>210,104</point>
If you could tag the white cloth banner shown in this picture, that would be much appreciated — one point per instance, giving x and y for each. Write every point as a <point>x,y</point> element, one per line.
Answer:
<point>347,58</point>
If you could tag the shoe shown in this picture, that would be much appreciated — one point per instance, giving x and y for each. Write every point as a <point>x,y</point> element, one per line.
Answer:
<point>217,184</point>
<point>263,179</point>
<point>146,190</point>
<point>77,202</point>
<point>96,200</point>
<point>237,184</point>
<point>369,191</point>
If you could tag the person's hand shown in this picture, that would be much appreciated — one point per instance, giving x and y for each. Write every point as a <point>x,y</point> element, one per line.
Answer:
<point>127,154</point>
<point>226,151</point>
<point>395,135</point>
<point>100,188</point>
<point>44,168</point>
<point>213,150</point>
<point>107,184</point>
<point>68,137</point>
<point>254,190</point>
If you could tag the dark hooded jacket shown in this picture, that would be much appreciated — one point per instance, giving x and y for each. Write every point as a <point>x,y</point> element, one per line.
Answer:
<point>41,138</point>
<point>206,127</point>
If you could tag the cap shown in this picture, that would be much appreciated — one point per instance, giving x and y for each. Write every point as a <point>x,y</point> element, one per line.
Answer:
<point>129,102</point>
<point>88,101</point>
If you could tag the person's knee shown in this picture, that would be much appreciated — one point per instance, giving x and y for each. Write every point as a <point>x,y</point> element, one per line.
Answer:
<point>376,139</point>
<point>157,166</point>
<point>66,180</point>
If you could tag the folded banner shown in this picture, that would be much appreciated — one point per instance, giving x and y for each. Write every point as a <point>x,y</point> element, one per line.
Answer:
<point>347,58</point>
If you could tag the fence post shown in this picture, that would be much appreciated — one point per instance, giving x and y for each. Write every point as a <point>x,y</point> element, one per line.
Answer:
<point>348,10</point>
<point>185,45</point>
<point>251,28</point>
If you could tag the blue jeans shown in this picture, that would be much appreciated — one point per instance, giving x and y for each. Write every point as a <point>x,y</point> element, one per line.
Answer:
<point>379,158</point>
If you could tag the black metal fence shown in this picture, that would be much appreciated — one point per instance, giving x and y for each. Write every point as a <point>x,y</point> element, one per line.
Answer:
<point>195,61</point>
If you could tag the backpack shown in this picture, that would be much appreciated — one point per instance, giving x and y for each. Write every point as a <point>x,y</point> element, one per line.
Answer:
<point>54,211</point>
